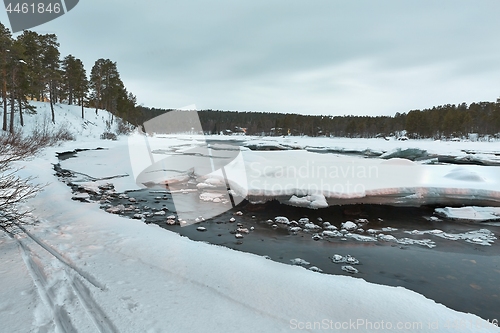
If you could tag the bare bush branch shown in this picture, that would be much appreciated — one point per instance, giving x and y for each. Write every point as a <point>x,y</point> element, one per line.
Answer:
<point>14,189</point>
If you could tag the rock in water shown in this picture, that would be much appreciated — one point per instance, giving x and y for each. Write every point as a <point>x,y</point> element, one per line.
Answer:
<point>350,269</point>
<point>315,269</point>
<point>282,220</point>
<point>299,262</point>
<point>349,226</point>
<point>337,258</point>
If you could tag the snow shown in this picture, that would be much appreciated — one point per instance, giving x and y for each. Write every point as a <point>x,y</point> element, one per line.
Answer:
<point>281,219</point>
<point>137,263</point>
<point>153,279</point>
<point>464,175</point>
<point>69,117</point>
<point>302,178</point>
<point>470,213</point>
<point>81,269</point>
<point>349,226</point>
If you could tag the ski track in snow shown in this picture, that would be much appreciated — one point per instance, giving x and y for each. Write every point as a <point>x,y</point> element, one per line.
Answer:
<point>35,268</point>
<point>96,314</point>
<point>69,280</point>
<point>189,286</point>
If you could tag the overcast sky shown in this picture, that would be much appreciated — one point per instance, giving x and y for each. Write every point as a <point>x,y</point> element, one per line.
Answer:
<point>327,57</point>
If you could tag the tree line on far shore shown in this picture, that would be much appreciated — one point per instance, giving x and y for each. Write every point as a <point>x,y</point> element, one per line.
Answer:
<point>446,121</point>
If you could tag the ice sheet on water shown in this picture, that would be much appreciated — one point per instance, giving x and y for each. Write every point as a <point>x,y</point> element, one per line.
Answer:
<point>406,153</point>
<point>480,237</point>
<point>464,175</point>
<point>314,201</point>
<point>470,213</point>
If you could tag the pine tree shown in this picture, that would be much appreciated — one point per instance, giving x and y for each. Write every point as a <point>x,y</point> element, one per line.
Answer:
<point>5,44</point>
<point>33,56</point>
<point>51,63</point>
<point>15,67</point>
<point>81,84</point>
<point>108,89</point>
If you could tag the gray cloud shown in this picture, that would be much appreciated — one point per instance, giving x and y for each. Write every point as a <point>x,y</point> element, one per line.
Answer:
<point>322,57</point>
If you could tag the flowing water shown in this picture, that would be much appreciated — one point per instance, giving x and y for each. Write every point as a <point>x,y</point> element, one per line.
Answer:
<point>459,274</point>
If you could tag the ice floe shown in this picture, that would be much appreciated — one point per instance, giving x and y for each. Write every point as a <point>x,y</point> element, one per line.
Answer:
<point>299,262</point>
<point>337,258</point>
<point>310,201</point>
<point>470,213</point>
<point>480,237</point>
<point>281,220</point>
<point>349,269</point>
<point>349,226</point>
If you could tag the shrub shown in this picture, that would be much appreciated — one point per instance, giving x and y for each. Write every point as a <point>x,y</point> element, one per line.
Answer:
<point>124,127</point>
<point>13,189</point>
<point>108,136</point>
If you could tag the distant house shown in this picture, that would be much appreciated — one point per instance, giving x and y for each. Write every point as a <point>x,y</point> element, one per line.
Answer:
<point>239,130</point>
<point>44,99</point>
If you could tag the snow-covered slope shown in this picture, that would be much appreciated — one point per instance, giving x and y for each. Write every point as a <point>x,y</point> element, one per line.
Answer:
<point>67,116</point>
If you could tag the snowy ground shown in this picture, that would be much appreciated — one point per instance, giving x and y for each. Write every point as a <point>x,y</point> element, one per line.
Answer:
<point>110,274</point>
<point>79,269</point>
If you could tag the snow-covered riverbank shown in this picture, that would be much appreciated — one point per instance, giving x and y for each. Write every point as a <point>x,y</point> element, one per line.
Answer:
<point>77,268</point>
<point>124,276</point>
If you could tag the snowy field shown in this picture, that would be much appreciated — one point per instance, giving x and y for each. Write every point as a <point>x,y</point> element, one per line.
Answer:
<point>76,268</point>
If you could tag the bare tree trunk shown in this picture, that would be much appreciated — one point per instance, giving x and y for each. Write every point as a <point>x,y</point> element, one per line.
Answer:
<point>11,122</point>
<point>4,97</point>
<point>83,113</point>
<point>51,103</point>
<point>98,94</point>
<point>20,109</point>
<point>12,102</point>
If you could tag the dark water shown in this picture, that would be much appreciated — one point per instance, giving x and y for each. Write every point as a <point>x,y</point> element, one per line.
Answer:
<point>460,275</point>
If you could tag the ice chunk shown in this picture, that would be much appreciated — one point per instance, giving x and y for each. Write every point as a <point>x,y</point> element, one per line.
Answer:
<point>406,153</point>
<point>464,175</point>
<point>349,226</point>
<point>81,196</point>
<point>314,201</point>
<point>315,269</point>
<point>299,262</point>
<point>337,258</point>
<point>328,233</point>
<point>349,269</point>
<point>312,226</point>
<point>470,213</point>
<point>387,238</point>
<point>281,220</point>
